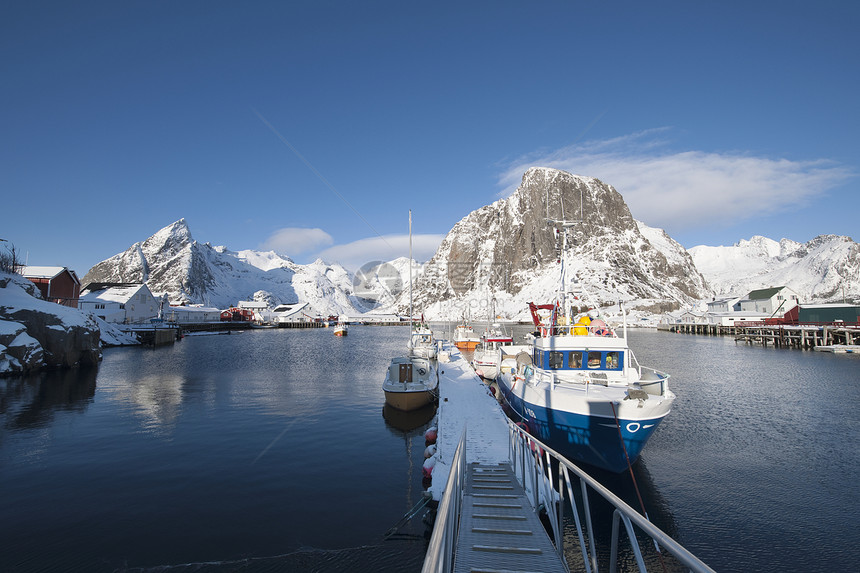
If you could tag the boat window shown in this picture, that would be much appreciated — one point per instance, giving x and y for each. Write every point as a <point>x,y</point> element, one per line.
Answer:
<point>575,360</point>
<point>556,360</point>
<point>613,360</point>
<point>537,359</point>
<point>594,359</point>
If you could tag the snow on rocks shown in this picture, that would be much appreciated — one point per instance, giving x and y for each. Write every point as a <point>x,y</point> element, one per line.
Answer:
<point>36,334</point>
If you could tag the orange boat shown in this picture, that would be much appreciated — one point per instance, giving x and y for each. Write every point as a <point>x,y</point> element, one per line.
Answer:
<point>465,338</point>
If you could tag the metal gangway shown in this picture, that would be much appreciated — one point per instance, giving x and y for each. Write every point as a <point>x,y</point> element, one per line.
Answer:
<point>487,520</point>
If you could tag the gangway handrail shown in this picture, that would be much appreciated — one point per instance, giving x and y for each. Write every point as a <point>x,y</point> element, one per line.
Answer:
<point>440,552</point>
<point>532,463</point>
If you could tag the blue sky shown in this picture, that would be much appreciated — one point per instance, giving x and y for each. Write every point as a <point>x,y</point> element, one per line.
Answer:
<point>313,127</point>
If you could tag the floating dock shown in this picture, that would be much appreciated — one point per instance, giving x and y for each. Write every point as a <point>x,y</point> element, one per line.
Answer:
<point>840,348</point>
<point>465,398</point>
<point>498,529</point>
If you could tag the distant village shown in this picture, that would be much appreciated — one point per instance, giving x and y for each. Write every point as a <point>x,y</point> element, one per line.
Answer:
<point>134,303</point>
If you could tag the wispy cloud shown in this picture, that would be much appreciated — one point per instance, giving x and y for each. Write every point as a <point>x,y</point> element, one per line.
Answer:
<point>355,254</point>
<point>293,241</point>
<point>681,190</point>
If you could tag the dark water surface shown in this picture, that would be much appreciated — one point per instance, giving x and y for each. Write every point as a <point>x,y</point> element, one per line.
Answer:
<point>755,468</point>
<point>268,451</point>
<point>265,450</point>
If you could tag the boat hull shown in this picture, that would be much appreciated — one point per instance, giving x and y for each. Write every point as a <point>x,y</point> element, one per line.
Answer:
<point>466,344</point>
<point>409,400</point>
<point>590,435</point>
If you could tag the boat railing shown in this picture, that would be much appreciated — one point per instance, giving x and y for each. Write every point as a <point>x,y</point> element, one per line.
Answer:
<point>537,466</point>
<point>443,542</point>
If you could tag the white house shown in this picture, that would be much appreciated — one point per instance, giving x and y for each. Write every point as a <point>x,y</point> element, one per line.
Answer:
<point>260,309</point>
<point>730,318</point>
<point>297,312</point>
<point>720,305</point>
<point>192,314</point>
<point>774,301</point>
<point>693,317</point>
<point>120,303</point>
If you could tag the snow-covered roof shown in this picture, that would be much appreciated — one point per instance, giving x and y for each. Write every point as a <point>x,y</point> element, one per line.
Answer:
<point>287,310</point>
<point>121,294</point>
<point>43,272</point>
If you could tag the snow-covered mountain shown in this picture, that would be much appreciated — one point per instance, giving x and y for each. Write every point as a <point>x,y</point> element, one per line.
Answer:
<point>503,256</point>
<point>825,269</point>
<point>507,254</point>
<point>172,262</point>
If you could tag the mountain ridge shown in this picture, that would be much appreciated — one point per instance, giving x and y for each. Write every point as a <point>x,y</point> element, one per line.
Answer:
<point>503,255</point>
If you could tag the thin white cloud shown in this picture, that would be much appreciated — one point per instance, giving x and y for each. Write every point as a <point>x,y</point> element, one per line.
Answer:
<point>355,254</point>
<point>292,241</point>
<point>682,190</point>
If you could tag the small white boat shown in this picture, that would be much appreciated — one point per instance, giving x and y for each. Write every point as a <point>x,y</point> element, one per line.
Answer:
<point>410,383</point>
<point>488,354</point>
<point>422,343</point>
<point>340,329</point>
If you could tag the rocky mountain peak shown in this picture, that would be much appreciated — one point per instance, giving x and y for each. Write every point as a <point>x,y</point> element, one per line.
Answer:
<point>511,248</point>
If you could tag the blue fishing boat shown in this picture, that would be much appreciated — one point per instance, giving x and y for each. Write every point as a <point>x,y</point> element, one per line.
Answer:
<point>580,390</point>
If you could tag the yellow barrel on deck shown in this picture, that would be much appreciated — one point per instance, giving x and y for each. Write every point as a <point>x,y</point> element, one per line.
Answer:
<point>581,327</point>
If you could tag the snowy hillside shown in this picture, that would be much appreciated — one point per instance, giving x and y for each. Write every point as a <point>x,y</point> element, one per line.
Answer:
<point>825,269</point>
<point>171,262</point>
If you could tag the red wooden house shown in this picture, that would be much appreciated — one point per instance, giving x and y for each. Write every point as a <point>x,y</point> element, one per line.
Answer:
<point>57,284</point>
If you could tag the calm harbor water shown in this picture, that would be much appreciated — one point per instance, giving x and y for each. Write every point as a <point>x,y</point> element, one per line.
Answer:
<point>270,450</point>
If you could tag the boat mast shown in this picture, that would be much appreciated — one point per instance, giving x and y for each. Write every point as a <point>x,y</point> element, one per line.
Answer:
<point>410,269</point>
<point>561,226</point>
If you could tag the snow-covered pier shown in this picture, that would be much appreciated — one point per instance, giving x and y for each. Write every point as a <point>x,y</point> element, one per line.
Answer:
<point>494,525</point>
<point>465,399</point>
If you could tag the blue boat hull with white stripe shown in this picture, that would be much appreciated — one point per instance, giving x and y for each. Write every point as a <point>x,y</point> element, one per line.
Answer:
<point>586,438</point>
<point>580,390</point>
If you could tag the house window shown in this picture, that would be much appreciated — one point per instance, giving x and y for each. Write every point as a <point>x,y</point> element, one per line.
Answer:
<point>122,306</point>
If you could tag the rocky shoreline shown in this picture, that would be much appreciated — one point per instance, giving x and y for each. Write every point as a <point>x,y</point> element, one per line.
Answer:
<point>36,334</point>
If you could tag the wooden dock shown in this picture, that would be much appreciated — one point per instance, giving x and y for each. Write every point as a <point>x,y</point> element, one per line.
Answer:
<point>802,336</point>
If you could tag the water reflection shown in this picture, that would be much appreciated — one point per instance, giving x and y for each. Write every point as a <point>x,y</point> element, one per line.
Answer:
<point>31,401</point>
<point>399,421</point>
<point>155,399</point>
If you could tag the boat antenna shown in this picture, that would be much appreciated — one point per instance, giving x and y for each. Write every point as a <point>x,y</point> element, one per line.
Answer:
<point>410,268</point>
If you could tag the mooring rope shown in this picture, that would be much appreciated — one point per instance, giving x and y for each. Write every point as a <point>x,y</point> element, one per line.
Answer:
<point>409,515</point>
<point>635,485</point>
